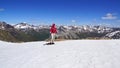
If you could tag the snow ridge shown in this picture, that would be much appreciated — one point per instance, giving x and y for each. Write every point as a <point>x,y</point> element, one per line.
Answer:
<point>112,34</point>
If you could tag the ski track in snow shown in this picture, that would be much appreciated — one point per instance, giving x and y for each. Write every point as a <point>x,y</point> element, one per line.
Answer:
<point>64,54</point>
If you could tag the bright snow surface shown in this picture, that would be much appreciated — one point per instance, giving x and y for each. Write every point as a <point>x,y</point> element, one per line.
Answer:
<point>64,54</point>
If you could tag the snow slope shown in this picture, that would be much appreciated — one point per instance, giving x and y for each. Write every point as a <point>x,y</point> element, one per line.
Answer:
<point>64,54</point>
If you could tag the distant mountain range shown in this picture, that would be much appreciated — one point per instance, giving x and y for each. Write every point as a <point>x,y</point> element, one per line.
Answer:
<point>13,33</point>
<point>24,32</point>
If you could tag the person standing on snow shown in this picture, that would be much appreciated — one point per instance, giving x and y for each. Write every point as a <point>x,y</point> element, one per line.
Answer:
<point>53,31</point>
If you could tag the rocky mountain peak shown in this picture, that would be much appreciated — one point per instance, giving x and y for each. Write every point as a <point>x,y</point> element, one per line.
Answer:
<point>4,25</point>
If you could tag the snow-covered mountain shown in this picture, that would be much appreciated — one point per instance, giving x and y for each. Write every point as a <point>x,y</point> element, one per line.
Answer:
<point>21,32</point>
<point>85,28</point>
<point>64,54</point>
<point>24,25</point>
<point>78,32</point>
<point>113,35</point>
<point>41,32</point>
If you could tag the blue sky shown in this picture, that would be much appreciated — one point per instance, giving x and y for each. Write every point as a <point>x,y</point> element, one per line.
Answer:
<point>79,12</point>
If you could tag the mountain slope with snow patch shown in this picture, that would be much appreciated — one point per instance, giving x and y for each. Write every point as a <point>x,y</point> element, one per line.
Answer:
<point>113,35</point>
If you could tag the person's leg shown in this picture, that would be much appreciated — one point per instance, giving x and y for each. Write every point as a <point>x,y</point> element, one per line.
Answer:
<point>52,37</point>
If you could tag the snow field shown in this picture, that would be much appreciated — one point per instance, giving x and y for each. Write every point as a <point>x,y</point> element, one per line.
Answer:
<point>64,54</point>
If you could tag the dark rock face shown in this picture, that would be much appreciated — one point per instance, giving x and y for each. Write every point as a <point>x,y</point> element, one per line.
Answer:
<point>4,25</point>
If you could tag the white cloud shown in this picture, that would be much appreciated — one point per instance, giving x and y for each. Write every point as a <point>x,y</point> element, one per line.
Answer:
<point>73,21</point>
<point>109,16</point>
<point>2,9</point>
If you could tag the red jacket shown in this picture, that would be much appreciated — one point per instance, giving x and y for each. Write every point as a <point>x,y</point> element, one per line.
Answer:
<point>53,29</point>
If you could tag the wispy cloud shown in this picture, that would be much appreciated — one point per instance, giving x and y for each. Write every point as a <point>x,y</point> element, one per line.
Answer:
<point>2,9</point>
<point>109,16</point>
<point>73,21</point>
